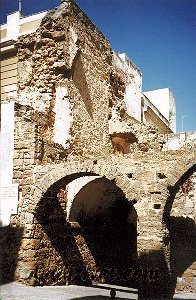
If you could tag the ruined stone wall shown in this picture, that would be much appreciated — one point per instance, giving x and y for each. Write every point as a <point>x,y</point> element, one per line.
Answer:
<point>183,234</point>
<point>24,153</point>
<point>142,177</point>
<point>68,52</point>
<point>128,134</point>
<point>31,149</point>
<point>66,74</point>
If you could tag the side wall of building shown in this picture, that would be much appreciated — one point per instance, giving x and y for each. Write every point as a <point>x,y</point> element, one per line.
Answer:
<point>164,101</point>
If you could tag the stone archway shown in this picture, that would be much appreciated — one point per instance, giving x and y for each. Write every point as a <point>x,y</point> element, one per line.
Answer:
<point>109,167</point>
<point>108,222</point>
<point>73,188</point>
<point>180,238</point>
<point>47,176</point>
<point>181,167</point>
<point>64,249</point>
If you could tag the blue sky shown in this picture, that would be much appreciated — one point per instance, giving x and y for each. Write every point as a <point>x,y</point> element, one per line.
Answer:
<point>158,35</point>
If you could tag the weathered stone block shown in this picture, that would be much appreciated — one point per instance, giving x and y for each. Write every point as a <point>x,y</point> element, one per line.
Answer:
<point>30,244</point>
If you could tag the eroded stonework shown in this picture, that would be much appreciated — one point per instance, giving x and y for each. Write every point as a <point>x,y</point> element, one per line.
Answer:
<point>103,198</point>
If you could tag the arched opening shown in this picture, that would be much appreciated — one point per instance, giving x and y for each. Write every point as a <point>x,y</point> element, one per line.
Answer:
<point>86,232</point>
<point>108,222</point>
<point>122,142</point>
<point>179,218</point>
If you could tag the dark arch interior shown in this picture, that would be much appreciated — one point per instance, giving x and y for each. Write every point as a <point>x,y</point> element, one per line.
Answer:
<point>101,229</point>
<point>99,242</point>
<point>108,222</point>
<point>101,201</point>
<point>181,237</point>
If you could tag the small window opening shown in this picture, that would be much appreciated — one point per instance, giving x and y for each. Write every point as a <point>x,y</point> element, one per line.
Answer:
<point>130,175</point>
<point>157,206</point>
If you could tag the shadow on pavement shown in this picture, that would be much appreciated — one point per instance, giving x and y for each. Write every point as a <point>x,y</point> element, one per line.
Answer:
<point>117,289</point>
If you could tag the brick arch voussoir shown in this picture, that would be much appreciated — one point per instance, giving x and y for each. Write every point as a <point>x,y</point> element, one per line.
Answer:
<point>57,172</point>
<point>181,167</point>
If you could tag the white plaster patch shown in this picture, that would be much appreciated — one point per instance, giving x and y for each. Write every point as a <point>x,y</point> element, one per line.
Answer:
<point>8,191</point>
<point>38,101</point>
<point>7,143</point>
<point>133,100</point>
<point>63,117</point>
<point>133,90</point>
<point>9,202</point>
<point>73,48</point>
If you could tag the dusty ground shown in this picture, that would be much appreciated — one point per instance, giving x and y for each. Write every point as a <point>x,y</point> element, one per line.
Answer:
<point>15,291</point>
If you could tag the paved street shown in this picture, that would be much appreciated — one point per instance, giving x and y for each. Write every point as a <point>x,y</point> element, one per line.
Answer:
<point>15,291</point>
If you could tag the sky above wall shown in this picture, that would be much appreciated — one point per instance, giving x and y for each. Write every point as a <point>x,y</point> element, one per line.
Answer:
<point>157,35</point>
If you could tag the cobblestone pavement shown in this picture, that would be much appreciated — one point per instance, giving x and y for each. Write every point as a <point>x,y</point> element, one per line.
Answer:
<point>15,291</point>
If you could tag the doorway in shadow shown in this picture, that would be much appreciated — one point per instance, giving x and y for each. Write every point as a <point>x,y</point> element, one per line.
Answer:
<point>181,236</point>
<point>178,253</point>
<point>95,243</point>
<point>109,227</point>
